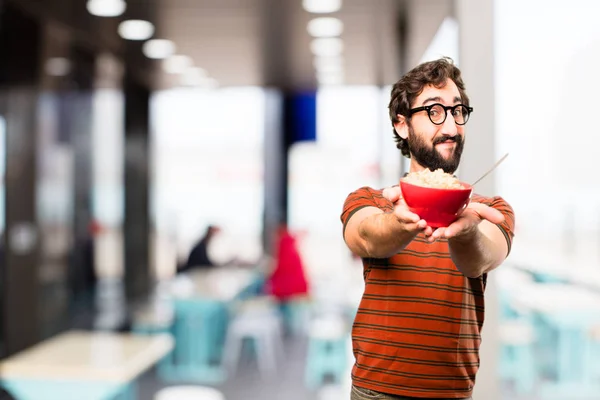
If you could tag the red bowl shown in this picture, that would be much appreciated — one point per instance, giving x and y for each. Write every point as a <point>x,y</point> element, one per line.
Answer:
<point>438,207</point>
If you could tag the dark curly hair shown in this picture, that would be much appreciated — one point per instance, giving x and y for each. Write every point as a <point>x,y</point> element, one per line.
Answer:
<point>410,86</point>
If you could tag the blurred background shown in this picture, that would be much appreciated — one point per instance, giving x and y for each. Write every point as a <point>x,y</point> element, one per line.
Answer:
<point>176,169</point>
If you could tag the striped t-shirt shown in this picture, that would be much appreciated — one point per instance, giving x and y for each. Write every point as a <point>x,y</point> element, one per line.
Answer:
<point>417,330</point>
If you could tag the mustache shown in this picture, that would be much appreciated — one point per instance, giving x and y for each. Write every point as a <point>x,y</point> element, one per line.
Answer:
<point>448,139</point>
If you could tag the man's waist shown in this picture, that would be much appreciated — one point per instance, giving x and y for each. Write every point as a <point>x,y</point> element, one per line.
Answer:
<point>360,393</point>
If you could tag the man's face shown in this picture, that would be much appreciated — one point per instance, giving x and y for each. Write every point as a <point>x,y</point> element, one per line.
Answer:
<point>442,151</point>
<point>435,146</point>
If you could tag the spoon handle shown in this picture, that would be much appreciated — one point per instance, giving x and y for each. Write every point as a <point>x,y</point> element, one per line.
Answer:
<point>491,169</point>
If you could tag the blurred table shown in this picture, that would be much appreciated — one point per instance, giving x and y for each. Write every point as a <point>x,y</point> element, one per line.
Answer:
<point>80,365</point>
<point>557,298</point>
<point>555,263</point>
<point>573,312</point>
<point>220,283</point>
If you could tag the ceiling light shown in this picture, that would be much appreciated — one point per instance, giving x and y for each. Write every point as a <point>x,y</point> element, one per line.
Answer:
<point>330,75</point>
<point>57,66</point>
<point>197,77</point>
<point>158,48</point>
<point>106,8</point>
<point>328,63</point>
<point>331,82</point>
<point>194,77</point>
<point>177,64</point>
<point>210,83</point>
<point>327,47</point>
<point>325,27</point>
<point>327,80</point>
<point>136,29</point>
<point>205,82</point>
<point>322,6</point>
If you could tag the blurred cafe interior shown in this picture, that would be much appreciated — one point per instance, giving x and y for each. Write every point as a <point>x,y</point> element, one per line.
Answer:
<point>173,174</point>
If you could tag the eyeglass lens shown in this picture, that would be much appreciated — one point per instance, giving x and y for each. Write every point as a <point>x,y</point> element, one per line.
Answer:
<point>437,114</point>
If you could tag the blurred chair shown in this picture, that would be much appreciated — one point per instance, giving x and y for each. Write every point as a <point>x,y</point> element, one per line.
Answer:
<point>548,277</point>
<point>517,360</point>
<point>198,329</point>
<point>295,312</point>
<point>594,354</point>
<point>328,341</point>
<point>256,319</point>
<point>255,288</point>
<point>189,393</point>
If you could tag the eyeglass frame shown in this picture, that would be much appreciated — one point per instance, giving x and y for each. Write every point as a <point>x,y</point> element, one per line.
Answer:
<point>446,108</point>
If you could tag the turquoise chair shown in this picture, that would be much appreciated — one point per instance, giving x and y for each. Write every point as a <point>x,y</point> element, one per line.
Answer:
<point>594,373</point>
<point>255,288</point>
<point>517,362</point>
<point>326,358</point>
<point>199,330</point>
<point>518,365</point>
<point>295,313</point>
<point>129,393</point>
<point>543,277</point>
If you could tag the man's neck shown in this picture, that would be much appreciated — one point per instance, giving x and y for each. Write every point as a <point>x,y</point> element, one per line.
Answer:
<point>415,166</point>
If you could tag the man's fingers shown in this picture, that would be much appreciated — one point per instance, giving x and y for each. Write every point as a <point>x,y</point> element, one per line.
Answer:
<point>492,215</point>
<point>428,231</point>
<point>411,221</point>
<point>393,193</point>
<point>456,227</point>
<point>405,215</point>
<point>422,224</point>
<point>488,213</point>
<point>416,227</point>
<point>437,234</point>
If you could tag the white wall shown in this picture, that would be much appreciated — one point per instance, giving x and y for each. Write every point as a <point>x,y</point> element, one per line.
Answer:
<point>207,152</point>
<point>547,57</point>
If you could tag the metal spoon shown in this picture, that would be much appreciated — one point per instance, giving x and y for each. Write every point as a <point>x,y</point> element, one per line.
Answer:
<point>491,169</point>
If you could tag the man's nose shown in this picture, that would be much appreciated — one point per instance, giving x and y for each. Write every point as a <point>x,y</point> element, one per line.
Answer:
<point>449,126</point>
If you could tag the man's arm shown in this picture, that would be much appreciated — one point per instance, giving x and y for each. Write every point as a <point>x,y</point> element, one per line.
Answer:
<point>480,252</point>
<point>477,244</point>
<point>370,232</point>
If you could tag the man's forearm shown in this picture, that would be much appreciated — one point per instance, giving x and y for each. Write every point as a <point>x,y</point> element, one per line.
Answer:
<point>474,254</point>
<point>383,235</point>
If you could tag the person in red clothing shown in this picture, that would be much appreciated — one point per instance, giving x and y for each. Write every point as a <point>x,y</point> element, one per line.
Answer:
<point>416,334</point>
<point>287,281</point>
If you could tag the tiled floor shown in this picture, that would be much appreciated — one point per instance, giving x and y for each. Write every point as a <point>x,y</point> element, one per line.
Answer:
<point>248,384</point>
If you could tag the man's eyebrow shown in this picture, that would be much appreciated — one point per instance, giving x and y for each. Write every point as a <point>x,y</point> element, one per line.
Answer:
<point>438,99</point>
<point>429,99</point>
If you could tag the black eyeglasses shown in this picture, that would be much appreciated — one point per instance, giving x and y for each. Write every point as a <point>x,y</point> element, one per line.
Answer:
<point>438,112</point>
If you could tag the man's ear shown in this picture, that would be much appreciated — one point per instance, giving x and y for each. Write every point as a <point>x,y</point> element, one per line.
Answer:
<point>401,127</point>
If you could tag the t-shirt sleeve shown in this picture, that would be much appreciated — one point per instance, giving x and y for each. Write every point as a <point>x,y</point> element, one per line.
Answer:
<point>508,226</point>
<point>361,198</point>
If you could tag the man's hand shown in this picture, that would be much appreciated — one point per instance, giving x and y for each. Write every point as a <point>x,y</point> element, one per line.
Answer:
<point>411,221</point>
<point>468,222</point>
<point>463,227</point>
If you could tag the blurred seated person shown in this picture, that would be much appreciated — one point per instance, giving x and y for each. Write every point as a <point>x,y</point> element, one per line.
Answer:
<point>199,256</point>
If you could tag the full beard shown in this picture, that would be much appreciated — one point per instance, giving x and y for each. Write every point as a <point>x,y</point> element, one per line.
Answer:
<point>429,157</point>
